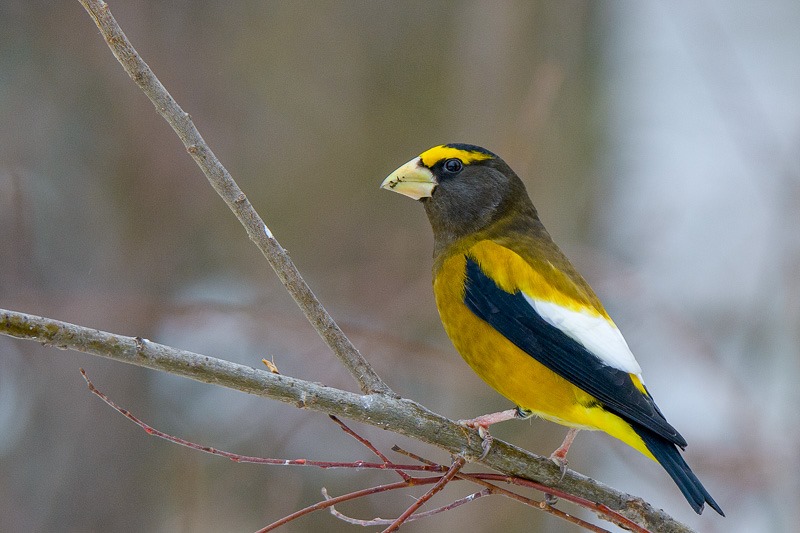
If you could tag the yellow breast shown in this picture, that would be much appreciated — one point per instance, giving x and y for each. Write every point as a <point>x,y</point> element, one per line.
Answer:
<point>509,370</point>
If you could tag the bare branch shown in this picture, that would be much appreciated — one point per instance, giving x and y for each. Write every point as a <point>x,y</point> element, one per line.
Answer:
<point>330,502</point>
<point>239,458</point>
<point>386,464</point>
<point>385,522</point>
<point>399,415</point>
<point>480,479</point>
<point>226,187</point>
<point>372,448</point>
<point>458,464</point>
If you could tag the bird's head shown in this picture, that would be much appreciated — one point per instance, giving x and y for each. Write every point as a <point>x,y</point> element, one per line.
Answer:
<point>464,188</point>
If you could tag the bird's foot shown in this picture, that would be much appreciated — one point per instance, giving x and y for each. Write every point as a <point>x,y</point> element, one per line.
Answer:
<point>483,431</point>
<point>486,441</point>
<point>485,421</point>
<point>560,459</point>
<point>482,423</point>
<point>559,456</point>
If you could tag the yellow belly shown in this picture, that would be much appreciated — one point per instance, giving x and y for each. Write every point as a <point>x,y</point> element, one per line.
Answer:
<point>512,372</point>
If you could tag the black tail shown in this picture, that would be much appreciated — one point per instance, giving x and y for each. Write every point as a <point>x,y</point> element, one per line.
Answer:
<point>667,454</point>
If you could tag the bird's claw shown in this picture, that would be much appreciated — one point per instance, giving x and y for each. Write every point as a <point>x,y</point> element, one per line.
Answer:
<point>560,459</point>
<point>486,441</point>
<point>483,432</point>
<point>561,462</point>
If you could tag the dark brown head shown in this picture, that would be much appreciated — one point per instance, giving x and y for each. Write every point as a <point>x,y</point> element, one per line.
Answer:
<point>464,189</point>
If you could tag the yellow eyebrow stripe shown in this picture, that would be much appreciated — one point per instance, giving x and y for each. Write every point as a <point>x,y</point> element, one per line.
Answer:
<point>437,153</point>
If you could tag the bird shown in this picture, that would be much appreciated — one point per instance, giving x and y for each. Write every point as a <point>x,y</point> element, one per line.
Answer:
<point>524,319</point>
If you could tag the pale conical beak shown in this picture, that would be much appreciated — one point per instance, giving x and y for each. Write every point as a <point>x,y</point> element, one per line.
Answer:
<point>412,179</point>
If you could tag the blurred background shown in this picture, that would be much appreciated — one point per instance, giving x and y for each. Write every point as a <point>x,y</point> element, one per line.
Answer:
<point>659,141</point>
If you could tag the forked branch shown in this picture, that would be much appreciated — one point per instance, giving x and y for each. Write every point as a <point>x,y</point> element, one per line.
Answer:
<point>219,178</point>
<point>446,474</point>
<point>387,412</point>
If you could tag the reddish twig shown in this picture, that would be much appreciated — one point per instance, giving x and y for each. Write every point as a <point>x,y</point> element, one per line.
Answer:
<point>326,503</point>
<point>458,463</point>
<point>408,481</point>
<point>382,522</point>
<point>238,458</point>
<point>494,489</point>
<point>412,455</point>
<point>369,446</point>
<point>611,515</point>
<point>480,478</point>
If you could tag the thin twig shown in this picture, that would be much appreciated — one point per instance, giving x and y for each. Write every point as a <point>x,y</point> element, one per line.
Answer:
<point>370,447</point>
<point>600,509</point>
<point>481,478</point>
<point>412,455</point>
<point>458,463</point>
<point>239,458</point>
<point>326,503</point>
<point>226,187</point>
<point>494,489</point>
<point>416,516</point>
<point>426,466</point>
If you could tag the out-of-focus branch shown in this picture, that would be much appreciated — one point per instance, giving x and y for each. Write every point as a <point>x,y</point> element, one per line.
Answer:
<point>381,410</point>
<point>236,200</point>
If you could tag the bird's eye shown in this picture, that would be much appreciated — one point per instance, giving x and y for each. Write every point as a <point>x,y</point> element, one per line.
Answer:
<point>453,165</point>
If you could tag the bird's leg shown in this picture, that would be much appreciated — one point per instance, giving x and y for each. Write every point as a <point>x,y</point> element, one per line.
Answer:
<point>559,456</point>
<point>482,423</point>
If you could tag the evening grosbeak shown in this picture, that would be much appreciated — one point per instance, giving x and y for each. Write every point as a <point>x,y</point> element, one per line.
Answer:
<point>523,318</point>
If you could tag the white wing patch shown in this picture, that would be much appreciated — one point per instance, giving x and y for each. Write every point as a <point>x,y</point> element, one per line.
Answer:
<point>595,333</point>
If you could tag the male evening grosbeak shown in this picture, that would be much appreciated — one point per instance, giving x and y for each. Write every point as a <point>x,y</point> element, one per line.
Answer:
<point>523,318</point>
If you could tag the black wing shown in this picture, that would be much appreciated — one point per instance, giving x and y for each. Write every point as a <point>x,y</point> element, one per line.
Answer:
<point>518,321</point>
